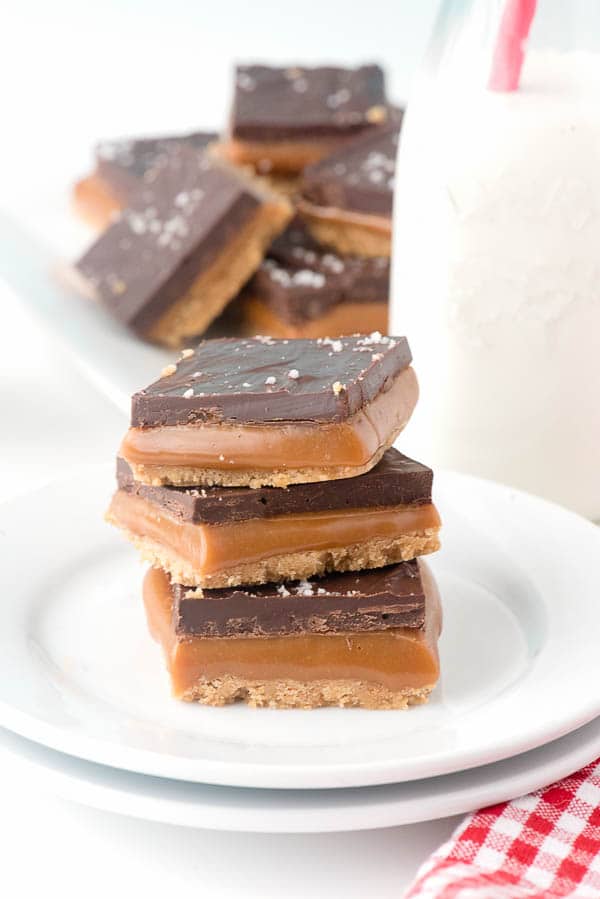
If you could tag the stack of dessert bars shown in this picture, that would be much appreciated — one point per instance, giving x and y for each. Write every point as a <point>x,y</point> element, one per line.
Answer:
<point>259,480</point>
<point>284,220</point>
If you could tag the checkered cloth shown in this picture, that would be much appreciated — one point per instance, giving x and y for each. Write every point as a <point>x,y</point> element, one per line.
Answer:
<point>540,846</point>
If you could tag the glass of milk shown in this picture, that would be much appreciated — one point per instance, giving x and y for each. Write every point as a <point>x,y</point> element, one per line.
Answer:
<point>496,264</point>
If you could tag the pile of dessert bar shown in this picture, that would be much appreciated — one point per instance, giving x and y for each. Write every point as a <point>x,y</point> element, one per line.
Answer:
<point>259,480</point>
<point>285,220</point>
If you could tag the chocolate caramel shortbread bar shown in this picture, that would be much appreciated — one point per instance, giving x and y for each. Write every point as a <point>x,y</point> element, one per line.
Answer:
<point>366,640</point>
<point>305,289</point>
<point>170,263</point>
<point>285,118</point>
<point>267,412</point>
<point>346,199</point>
<point>225,536</point>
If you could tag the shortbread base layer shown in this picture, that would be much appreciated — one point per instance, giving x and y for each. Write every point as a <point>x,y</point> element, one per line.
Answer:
<point>353,233</point>
<point>193,312</point>
<point>338,321</point>
<point>290,694</point>
<point>289,566</point>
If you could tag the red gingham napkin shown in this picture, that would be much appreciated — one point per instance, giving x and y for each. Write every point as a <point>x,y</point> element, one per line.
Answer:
<point>541,846</point>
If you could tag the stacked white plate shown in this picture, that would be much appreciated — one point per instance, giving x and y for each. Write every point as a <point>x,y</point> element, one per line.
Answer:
<point>84,697</point>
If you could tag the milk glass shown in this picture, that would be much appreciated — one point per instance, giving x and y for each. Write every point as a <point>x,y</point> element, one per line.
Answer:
<point>496,261</point>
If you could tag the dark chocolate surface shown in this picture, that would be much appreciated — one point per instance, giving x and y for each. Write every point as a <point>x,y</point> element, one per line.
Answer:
<point>373,600</point>
<point>359,177</point>
<point>124,163</point>
<point>174,228</point>
<point>395,481</point>
<point>264,380</point>
<point>301,280</point>
<point>301,103</point>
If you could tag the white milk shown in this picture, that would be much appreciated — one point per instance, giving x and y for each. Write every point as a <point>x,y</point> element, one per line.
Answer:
<point>496,277</point>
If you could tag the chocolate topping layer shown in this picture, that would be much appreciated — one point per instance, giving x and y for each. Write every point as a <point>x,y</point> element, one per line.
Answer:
<point>263,380</point>
<point>277,104</point>
<point>367,601</point>
<point>125,163</point>
<point>395,481</point>
<point>358,177</point>
<point>301,279</point>
<point>174,228</point>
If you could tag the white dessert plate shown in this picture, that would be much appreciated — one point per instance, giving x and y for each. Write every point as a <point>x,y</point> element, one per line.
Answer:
<point>520,581</point>
<point>294,811</point>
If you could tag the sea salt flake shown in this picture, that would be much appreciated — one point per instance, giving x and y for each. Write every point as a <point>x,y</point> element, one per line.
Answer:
<point>294,374</point>
<point>333,263</point>
<point>336,345</point>
<point>304,588</point>
<point>182,199</point>
<point>189,393</point>
<point>137,223</point>
<point>270,380</point>
<point>245,81</point>
<point>305,277</point>
<point>374,337</point>
<point>308,256</point>
<point>338,98</point>
<point>277,274</point>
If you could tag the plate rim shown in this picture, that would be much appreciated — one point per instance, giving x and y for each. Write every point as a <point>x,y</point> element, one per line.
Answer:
<point>456,793</point>
<point>255,775</point>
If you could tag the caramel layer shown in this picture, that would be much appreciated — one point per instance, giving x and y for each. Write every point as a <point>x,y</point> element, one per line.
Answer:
<point>351,443</point>
<point>214,549</point>
<point>398,659</point>
<point>284,156</point>
<point>345,216</point>
<point>343,319</point>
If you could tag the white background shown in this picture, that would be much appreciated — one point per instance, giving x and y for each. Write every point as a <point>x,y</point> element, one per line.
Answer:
<point>73,72</point>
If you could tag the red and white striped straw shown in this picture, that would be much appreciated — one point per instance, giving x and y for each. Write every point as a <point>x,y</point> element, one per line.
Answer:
<point>509,52</point>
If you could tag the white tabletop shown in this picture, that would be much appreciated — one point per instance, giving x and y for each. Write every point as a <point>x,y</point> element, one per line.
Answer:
<point>94,71</point>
